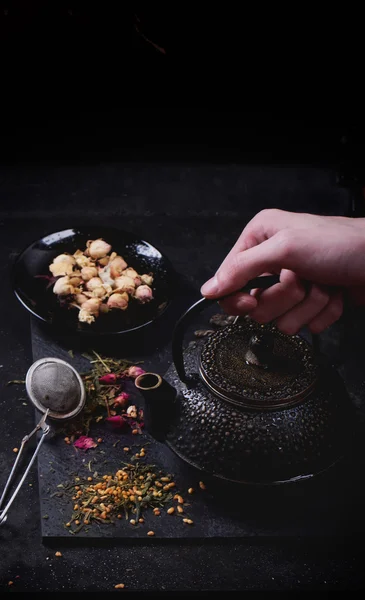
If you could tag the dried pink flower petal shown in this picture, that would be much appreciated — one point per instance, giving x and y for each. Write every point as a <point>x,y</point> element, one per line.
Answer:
<point>85,443</point>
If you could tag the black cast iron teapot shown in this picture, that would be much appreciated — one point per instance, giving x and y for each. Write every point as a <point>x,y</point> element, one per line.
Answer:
<point>249,404</point>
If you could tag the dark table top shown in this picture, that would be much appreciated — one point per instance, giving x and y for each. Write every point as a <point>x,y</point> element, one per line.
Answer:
<point>194,213</point>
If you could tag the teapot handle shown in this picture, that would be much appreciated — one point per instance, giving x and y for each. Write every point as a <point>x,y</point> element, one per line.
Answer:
<point>262,282</point>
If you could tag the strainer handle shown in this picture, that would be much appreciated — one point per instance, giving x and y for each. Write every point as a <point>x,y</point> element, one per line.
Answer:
<point>262,282</point>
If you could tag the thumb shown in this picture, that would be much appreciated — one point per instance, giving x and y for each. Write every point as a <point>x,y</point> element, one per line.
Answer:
<point>238,269</point>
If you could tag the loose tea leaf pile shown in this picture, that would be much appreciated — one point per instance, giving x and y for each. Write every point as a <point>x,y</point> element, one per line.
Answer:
<point>127,493</point>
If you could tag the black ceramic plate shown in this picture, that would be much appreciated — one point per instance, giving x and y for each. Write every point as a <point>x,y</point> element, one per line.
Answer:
<point>32,291</point>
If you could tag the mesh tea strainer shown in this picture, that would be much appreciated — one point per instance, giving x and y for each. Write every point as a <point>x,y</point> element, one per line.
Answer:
<point>56,390</point>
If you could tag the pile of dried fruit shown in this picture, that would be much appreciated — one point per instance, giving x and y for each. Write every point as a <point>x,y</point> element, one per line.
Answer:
<point>127,493</point>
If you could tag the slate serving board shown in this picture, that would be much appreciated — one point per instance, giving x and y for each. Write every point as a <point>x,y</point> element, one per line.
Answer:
<point>328,505</point>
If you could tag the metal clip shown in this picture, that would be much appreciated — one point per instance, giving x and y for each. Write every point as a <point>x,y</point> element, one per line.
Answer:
<point>45,430</point>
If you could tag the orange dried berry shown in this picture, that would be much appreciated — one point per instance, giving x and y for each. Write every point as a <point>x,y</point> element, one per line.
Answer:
<point>202,485</point>
<point>180,509</point>
<point>126,449</point>
<point>99,440</point>
<point>119,586</point>
<point>58,554</point>
<point>171,511</point>
<point>89,478</point>
<point>150,533</point>
<point>134,431</point>
<point>15,450</point>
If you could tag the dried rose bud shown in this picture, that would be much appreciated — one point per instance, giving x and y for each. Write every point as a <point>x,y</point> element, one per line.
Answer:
<point>64,258</point>
<point>109,379</point>
<point>118,301</point>
<point>99,292</point>
<point>103,262</point>
<point>92,306</point>
<point>88,273</point>
<point>104,275</point>
<point>82,260</point>
<point>62,265</point>
<point>86,317</point>
<point>117,265</point>
<point>93,283</point>
<point>99,248</point>
<point>130,272</point>
<point>62,287</point>
<point>75,281</point>
<point>122,400</point>
<point>125,284</point>
<point>118,421</point>
<point>81,298</point>
<point>143,294</point>
<point>147,279</point>
<point>134,372</point>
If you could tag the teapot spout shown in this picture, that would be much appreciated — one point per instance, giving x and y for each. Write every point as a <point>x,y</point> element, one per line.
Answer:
<point>159,399</point>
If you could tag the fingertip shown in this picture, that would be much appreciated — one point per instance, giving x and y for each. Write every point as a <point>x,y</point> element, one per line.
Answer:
<point>210,287</point>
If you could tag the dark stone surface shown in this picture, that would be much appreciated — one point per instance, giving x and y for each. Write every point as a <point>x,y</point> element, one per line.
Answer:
<point>194,213</point>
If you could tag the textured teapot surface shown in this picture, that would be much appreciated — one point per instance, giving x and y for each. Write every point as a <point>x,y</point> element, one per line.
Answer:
<point>243,420</point>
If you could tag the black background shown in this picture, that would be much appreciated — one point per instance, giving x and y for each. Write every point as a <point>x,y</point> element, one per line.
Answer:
<point>98,124</point>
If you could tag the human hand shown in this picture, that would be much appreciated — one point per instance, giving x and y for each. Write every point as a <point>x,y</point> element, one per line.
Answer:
<point>318,259</point>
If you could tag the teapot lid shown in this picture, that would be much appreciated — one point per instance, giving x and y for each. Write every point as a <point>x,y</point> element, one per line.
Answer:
<point>257,366</point>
